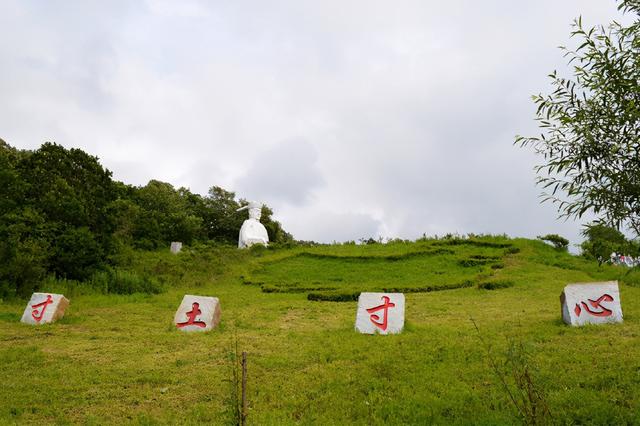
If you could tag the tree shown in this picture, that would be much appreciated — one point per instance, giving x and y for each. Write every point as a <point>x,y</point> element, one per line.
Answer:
<point>165,215</point>
<point>590,139</point>
<point>24,251</point>
<point>602,241</point>
<point>274,228</point>
<point>222,221</point>
<point>71,190</point>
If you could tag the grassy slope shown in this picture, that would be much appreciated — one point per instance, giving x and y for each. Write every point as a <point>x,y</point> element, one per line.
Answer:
<point>119,358</point>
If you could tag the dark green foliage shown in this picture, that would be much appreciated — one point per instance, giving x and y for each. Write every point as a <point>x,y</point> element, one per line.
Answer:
<point>53,217</point>
<point>164,214</point>
<point>512,250</point>
<point>221,221</point>
<point>24,252</point>
<point>333,297</point>
<point>76,254</point>
<point>470,263</point>
<point>602,240</point>
<point>62,214</point>
<point>495,284</point>
<point>558,242</point>
<point>368,241</point>
<point>274,228</point>
<point>591,126</point>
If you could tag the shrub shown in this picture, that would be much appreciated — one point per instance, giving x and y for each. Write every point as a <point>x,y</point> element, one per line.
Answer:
<point>558,242</point>
<point>333,297</point>
<point>494,285</point>
<point>77,254</point>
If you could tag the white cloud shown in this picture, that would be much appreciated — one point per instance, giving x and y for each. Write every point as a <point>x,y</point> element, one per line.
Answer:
<point>284,174</point>
<point>396,119</point>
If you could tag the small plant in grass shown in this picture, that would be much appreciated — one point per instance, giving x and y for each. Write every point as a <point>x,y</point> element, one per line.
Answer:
<point>236,404</point>
<point>516,375</point>
<point>232,401</point>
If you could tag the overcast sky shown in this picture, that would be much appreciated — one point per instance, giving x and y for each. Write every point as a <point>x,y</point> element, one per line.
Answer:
<point>350,119</point>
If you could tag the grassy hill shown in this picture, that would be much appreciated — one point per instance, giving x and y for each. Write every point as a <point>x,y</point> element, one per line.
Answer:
<point>483,341</point>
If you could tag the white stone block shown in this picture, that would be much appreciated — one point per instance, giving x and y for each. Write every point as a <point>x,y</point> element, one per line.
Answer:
<point>591,303</point>
<point>44,308</point>
<point>197,313</point>
<point>380,313</point>
<point>176,247</point>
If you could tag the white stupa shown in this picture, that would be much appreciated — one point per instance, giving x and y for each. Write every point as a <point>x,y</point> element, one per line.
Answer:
<point>252,231</point>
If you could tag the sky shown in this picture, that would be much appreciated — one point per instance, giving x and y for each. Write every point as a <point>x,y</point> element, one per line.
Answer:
<point>350,119</point>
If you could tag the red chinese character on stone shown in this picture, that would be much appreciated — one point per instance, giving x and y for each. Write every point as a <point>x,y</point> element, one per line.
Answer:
<point>191,317</point>
<point>376,318</point>
<point>38,315</point>
<point>595,304</point>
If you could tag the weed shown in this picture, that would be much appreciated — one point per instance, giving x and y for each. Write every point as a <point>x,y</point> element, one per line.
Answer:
<point>516,378</point>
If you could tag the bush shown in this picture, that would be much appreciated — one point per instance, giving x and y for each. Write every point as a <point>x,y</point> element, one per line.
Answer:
<point>558,242</point>
<point>494,285</point>
<point>333,297</point>
<point>77,254</point>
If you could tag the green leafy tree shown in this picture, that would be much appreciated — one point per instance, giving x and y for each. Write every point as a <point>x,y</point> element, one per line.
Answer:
<point>222,220</point>
<point>274,229</point>
<point>77,254</point>
<point>165,215</point>
<point>71,191</point>
<point>602,240</point>
<point>590,139</point>
<point>10,182</point>
<point>24,252</point>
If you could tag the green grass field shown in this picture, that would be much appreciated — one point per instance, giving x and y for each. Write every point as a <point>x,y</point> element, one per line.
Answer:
<point>119,358</point>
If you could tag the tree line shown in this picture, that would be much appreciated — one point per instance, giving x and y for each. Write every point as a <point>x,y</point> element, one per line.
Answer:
<point>62,213</point>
